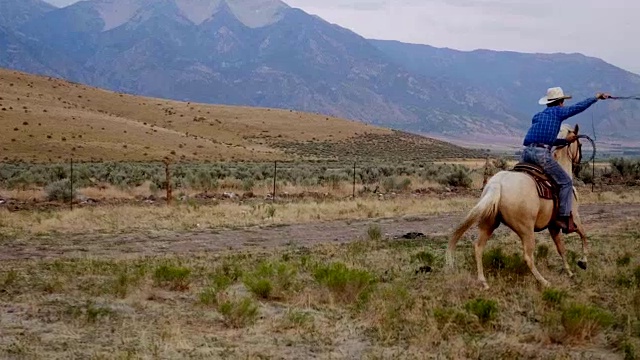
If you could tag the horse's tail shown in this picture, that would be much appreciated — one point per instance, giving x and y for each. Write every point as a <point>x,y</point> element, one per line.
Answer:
<point>486,211</point>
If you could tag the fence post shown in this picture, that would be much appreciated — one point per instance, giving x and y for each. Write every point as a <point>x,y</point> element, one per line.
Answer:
<point>275,176</point>
<point>593,175</point>
<point>168,180</point>
<point>486,173</point>
<point>71,184</point>
<point>354,179</point>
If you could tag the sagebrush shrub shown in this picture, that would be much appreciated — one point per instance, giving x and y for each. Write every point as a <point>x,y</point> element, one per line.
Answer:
<point>460,177</point>
<point>60,191</point>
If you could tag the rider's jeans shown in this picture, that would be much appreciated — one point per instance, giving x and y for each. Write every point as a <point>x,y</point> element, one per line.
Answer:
<point>543,158</point>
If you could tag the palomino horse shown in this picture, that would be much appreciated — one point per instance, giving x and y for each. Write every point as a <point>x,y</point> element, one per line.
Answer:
<point>511,198</point>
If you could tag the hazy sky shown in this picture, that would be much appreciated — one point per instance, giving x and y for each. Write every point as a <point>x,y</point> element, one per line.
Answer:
<point>604,29</point>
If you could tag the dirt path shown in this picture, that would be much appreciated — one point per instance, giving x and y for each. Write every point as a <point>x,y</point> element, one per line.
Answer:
<point>110,246</point>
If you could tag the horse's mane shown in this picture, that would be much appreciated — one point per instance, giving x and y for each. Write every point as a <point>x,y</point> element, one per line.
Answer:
<point>565,129</point>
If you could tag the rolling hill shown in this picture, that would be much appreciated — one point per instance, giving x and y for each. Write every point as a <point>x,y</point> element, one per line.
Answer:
<point>46,119</point>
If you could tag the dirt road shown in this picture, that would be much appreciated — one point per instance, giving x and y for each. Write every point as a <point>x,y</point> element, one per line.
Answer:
<point>111,246</point>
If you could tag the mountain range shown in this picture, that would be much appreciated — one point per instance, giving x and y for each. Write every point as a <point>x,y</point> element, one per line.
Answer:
<point>265,53</point>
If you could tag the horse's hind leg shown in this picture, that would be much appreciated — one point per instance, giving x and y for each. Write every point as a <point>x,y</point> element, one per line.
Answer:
<point>528,244</point>
<point>484,234</point>
<point>556,235</point>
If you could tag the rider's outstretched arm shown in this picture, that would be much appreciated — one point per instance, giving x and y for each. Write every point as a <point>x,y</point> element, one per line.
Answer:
<point>566,112</point>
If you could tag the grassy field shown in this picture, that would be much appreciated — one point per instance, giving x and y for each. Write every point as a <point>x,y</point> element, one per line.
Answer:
<point>309,278</point>
<point>46,120</point>
<point>373,297</point>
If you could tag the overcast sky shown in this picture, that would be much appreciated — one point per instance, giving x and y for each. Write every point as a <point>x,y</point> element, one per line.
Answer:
<point>604,29</point>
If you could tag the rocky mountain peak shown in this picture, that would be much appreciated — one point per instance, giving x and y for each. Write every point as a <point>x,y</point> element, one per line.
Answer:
<point>252,13</point>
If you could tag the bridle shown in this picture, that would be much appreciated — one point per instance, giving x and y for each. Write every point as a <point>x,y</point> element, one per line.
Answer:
<point>576,157</point>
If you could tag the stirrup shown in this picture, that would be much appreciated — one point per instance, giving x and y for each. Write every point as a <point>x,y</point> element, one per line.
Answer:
<point>568,227</point>
<point>571,226</point>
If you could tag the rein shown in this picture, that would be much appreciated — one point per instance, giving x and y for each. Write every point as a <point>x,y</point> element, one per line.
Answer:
<point>625,97</point>
<point>593,143</point>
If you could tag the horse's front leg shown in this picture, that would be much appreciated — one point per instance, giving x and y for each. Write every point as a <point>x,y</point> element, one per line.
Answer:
<point>582,263</point>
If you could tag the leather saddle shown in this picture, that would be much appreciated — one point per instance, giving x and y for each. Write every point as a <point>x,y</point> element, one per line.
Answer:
<point>547,188</point>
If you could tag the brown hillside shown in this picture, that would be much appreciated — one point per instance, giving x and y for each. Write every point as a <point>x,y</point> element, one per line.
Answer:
<point>46,119</point>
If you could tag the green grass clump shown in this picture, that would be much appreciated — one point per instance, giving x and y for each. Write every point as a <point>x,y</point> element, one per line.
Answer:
<point>624,260</point>
<point>347,285</point>
<point>583,322</point>
<point>451,321</point>
<point>238,313</point>
<point>554,296</point>
<point>497,262</point>
<point>271,280</point>
<point>542,252</point>
<point>636,274</point>
<point>486,310</point>
<point>172,277</point>
<point>374,232</point>
<point>423,257</point>
<point>123,282</point>
<point>9,280</point>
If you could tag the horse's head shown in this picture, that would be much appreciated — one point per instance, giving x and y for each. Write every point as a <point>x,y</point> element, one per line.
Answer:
<point>573,150</point>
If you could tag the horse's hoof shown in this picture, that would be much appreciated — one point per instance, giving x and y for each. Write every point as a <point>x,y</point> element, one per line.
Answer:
<point>582,264</point>
<point>485,286</point>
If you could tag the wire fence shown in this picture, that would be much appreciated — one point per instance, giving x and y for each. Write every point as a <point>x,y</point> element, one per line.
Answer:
<point>61,181</point>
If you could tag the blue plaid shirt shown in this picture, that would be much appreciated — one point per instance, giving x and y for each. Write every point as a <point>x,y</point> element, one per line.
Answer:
<point>546,124</point>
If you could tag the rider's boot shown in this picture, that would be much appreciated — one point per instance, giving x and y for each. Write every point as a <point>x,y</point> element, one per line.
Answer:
<point>566,224</point>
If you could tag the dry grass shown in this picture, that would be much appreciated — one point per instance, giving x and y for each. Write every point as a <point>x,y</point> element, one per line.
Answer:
<point>23,195</point>
<point>106,192</point>
<point>110,192</point>
<point>365,299</point>
<point>189,216</point>
<point>118,219</point>
<point>44,120</point>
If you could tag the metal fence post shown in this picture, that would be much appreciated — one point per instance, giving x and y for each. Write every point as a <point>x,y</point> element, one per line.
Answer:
<point>168,180</point>
<point>275,176</point>
<point>354,179</point>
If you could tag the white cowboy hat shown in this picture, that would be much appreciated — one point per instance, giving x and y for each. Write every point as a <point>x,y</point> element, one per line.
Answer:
<point>553,94</point>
